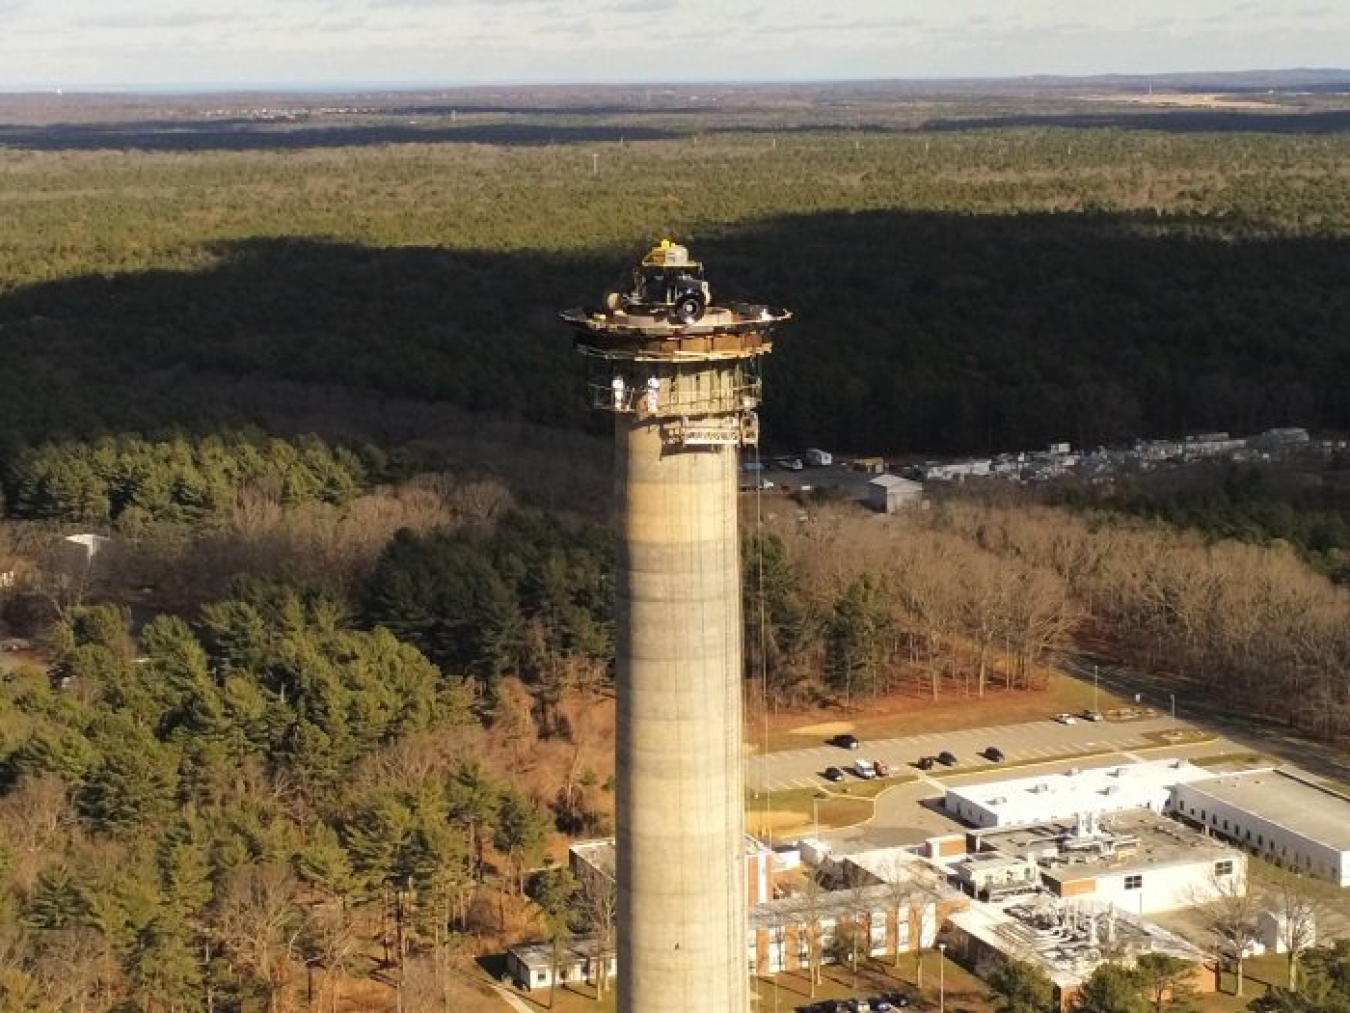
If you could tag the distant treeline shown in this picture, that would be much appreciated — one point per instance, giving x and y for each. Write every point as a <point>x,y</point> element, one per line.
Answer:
<point>1304,504</point>
<point>954,291</point>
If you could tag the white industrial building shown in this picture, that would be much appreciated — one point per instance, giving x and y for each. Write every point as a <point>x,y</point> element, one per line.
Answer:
<point>899,899</point>
<point>1139,862</point>
<point>577,959</point>
<point>1047,797</point>
<point>889,493</point>
<point>1065,940</point>
<point>955,471</point>
<point>1288,821</point>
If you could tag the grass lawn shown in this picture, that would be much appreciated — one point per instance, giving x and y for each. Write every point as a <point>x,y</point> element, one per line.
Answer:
<point>1079,754</point>
<point>1233,760</point>
<point>579,999</point>
<point>1257,974</point>
<point>803,807</point>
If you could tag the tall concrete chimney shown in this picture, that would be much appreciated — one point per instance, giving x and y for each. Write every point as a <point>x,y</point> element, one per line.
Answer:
<point>681,378</point>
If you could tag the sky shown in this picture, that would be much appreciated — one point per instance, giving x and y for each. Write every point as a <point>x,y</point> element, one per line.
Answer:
<point>189,44</point>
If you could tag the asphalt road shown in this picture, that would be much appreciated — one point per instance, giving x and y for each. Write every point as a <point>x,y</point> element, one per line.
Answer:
<point>1216,713</point>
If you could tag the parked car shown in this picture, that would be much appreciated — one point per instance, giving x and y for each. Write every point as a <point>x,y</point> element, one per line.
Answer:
<point>788,463</point>
<point>925,763</point>
<point>833,774</point>
<point>947,759</point>
<point>883,769</point>
<point>865,769</point>
<point>1092,715</point>
<point>845,741</point>
<point>994,754</point>
<point>1066,719</point>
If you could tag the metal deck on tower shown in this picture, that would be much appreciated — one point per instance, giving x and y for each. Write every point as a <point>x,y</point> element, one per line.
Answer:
<point>663,325</point>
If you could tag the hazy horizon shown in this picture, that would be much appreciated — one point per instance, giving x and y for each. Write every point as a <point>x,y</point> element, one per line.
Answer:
<point>347,88</point>
<point>344,45</point>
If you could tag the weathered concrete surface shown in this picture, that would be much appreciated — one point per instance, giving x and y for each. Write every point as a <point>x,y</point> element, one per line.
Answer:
<point>680,817</point>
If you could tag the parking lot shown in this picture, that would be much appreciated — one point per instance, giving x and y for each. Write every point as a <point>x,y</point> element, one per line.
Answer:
<point>1036,741</point>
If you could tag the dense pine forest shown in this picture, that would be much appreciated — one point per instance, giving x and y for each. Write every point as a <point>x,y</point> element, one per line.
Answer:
<point>959,284</point>
<point>306,712</point>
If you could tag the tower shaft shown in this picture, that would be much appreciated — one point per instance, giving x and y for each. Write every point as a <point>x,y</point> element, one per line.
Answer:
<point>680,789</point>
<point>680,375</point>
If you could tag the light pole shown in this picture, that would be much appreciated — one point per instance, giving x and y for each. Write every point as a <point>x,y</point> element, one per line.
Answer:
<point>1094,689</point>
<point>815,814</point>
<point>942,978</point>
<point>1173,698</point>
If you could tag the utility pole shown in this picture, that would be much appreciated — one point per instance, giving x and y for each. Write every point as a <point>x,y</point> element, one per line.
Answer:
<point>942,978</point>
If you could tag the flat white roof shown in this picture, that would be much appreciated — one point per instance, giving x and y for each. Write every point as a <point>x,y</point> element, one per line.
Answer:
<point>895,482</point>
<point>1145,841</point>
<point>1080,790</point>
<point>1067,958</point>
<point>1285,801</point>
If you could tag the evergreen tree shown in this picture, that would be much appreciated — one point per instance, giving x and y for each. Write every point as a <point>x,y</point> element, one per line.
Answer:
<point>1111,988</point>
<point>1167,982</point>
<point>1022,988</point>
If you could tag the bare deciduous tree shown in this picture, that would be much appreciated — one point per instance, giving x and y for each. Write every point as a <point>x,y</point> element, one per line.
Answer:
<point>1296,902</point>
<point>258,921</point>
<point>1229,909</point>
<point>599,903</point>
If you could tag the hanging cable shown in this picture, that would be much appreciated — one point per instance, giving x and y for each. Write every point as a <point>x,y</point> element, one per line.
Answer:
<point>762,629</point>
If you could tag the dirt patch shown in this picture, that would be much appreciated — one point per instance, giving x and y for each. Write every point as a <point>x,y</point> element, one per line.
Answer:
<point>1187,100</point>
<point>824,728</point>
<point>1179,737</point>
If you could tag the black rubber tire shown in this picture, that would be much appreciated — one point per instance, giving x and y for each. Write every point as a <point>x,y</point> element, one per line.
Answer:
<point>688,308</point>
